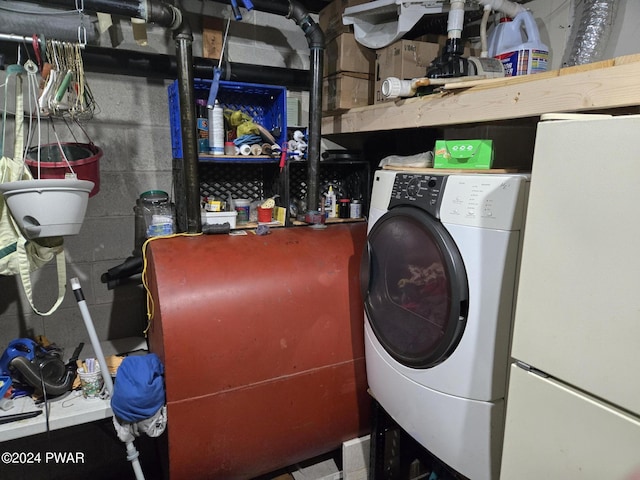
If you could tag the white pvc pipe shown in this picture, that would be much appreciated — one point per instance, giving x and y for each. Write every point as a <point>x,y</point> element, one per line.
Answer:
<point>132,453</point>
<point>483,31</point>
<point>455,19</point>
<point>505,6</point>
<point>93,336</point>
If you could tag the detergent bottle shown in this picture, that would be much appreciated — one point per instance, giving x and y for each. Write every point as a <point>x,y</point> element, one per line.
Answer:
<point>502,34</point>
<point>517,45</point>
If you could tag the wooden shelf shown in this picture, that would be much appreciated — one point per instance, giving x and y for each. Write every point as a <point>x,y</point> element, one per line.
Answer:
<point>605,85</point>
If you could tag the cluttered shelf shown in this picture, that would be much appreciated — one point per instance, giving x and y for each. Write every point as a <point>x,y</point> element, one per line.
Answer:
<point>609,84</point>
<point>68,409</point>
<point>202,157</point>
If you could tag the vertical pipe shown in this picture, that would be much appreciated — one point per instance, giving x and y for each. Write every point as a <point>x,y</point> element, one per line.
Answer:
<point>315,38</point>
<point>315,121</point>
<point>184,58</point>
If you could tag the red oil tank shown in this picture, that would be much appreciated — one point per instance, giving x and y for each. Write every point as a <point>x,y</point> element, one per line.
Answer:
<point>262,342</point>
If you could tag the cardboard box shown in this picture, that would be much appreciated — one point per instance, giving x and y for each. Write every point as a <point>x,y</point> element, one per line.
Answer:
<point>512,142</point>
<point>345,54</point>
<point>463,154</point>
<point>344,91</point>
<point>330,18</point>
<point>404,59</point>
<point>407,59</point>
<point>212,37</point>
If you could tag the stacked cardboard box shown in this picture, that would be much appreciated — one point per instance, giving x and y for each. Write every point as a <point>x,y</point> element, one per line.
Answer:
<point>330,18</point>
<point>404,59</point>
<point>348,65</point>
<point>407,59</point>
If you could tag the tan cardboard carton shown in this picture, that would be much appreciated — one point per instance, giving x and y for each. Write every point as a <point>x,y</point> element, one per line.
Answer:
<point>345,54</point>
<point>344,91</point>
<point>404,59</point>
<point>407,59</point>
<point>330,18</point>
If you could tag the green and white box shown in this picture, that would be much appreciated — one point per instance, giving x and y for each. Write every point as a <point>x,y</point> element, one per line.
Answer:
<point>463,154</point>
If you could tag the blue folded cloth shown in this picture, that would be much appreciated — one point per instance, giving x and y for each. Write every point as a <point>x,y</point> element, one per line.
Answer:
<point>247,139</point>
<point>138,391</point>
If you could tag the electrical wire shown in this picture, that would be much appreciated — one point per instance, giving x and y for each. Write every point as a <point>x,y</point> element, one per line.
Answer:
<point>45,399</point>
<point>150,302</point>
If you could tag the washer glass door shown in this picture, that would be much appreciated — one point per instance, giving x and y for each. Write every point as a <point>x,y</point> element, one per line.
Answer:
<point>415,287</point>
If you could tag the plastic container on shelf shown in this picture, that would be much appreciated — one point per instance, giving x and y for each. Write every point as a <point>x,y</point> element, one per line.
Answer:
<point>202,124</point>
<point>242,206</point>
<point>155,214</point>
<point>219,218</point>
<point>503,34</point>
<point>518,46</point>
<point>265,104</point>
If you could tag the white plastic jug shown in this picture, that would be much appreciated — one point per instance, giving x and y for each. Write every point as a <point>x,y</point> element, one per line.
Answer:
<point>517,45</point>
<point>503,34</point>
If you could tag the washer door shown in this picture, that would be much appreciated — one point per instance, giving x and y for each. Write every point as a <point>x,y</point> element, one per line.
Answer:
<point>414,287</point>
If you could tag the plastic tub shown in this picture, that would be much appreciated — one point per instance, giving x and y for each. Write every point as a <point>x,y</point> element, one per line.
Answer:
<point>48,208</point>
<point>219,218</point>
<point>242,207</point>
<point>84,159</point>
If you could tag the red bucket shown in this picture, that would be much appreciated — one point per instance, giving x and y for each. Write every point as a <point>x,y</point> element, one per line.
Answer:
<point>83,159</point>
<point>265,215</point>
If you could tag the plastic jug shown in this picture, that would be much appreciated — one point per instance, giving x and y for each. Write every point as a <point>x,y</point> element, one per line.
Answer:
<point>517,45</point>
<point>503,34</point>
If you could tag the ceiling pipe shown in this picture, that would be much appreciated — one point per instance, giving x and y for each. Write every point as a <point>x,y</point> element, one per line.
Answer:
<point>315,38</point>
<point>135,63</point>
<point>142,64</point>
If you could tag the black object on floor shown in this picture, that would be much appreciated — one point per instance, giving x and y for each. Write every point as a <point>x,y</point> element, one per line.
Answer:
<point>395,455</point>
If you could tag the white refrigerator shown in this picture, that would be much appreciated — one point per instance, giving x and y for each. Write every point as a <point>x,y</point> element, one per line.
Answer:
<point>573,403</point>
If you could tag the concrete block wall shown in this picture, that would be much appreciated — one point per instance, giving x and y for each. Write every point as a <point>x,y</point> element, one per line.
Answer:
<point>131,125</point>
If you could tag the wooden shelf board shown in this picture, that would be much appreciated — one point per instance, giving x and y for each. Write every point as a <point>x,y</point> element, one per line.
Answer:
<point>601,85</point>
<point>400,168</point>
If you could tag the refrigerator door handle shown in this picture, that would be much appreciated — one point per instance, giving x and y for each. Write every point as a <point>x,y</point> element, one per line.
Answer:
<point>529,368</point>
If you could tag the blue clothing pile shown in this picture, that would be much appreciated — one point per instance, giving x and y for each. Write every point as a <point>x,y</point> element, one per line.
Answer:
<point>138,392</point>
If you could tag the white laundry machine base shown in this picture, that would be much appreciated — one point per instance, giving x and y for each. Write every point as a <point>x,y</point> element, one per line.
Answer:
<point>464,434</point>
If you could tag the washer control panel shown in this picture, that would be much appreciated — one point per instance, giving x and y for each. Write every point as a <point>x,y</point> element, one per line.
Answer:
<point>485,200</point>
<point>420,190</point>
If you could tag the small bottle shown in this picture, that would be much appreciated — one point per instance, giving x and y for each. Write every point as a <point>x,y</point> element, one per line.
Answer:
<point>343,208</point>
<point>355,209</point>
<point>216,129</point>
<point>202,123</point>
<point>331,206</point>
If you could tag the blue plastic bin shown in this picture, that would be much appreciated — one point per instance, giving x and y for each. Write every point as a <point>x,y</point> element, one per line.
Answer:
<point>266,104</point>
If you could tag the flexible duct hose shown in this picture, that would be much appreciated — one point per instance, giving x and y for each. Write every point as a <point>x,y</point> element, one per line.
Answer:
<point>33,377</point>
<point>590,38</point>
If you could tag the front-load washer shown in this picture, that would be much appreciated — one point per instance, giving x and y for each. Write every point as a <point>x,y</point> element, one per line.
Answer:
<point>438,281</point>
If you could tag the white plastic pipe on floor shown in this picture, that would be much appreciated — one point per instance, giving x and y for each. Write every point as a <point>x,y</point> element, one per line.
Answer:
<point>132,453</point>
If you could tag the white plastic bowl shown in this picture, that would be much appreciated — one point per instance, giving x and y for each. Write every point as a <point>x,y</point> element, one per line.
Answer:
<point>48,208</point>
